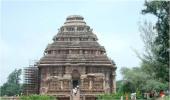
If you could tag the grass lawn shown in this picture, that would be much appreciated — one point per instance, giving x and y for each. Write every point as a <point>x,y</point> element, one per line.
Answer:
<point>164,98</point>
<point>167,97</point>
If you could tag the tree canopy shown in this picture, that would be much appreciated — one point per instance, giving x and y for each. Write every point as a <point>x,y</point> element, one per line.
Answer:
<point>12,86</point>
<point>159,44</point>
<point>153,73</point>
<point>136,79</point>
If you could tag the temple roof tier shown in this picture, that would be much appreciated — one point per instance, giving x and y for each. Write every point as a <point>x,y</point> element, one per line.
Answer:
<point>75,42</point>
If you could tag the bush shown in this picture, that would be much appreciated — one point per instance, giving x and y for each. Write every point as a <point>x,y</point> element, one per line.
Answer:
<point>116,96</point>
<point>167,97</point>
<point>37,97</point>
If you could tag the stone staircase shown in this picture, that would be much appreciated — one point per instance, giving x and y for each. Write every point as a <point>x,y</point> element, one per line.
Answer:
<point>77,96</point>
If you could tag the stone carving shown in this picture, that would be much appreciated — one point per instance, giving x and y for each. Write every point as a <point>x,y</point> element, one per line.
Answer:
<point>75,47</point>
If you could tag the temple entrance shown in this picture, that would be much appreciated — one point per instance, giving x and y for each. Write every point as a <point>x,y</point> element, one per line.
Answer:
<point>75,83</point>
<point>75,78</point>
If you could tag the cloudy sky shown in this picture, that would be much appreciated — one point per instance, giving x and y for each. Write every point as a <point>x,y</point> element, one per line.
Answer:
<point>27,26</point>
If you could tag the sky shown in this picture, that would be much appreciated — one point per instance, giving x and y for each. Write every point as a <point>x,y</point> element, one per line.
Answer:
<point>27,26</point>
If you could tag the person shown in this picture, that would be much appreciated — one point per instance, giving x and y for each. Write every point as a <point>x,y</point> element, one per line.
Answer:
<point>75,91</point>
<point>162,93</point>
<point>121,98</point>
<point>133,96</point>
<point>126,97</point>
<point>77,87</point>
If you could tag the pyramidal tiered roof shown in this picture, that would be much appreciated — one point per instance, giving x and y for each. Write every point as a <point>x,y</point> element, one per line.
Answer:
<point>75,43</point>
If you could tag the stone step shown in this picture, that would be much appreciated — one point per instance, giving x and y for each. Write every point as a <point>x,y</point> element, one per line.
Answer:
<point>77,96</point>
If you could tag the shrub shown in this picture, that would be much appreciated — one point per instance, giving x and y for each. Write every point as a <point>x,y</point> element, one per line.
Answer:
<point>116,96</point>
<point>37,97</point>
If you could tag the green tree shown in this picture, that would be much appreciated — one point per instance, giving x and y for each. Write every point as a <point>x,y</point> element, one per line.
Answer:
<point>154,85</point>
<point>12,86</point>
<point>160,64</point>
<point>126,87</point>
<point>136,79</point>
<point>150,55</point>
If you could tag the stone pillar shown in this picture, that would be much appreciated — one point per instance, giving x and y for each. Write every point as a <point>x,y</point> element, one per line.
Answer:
<point>81,52</point>
<point>90,85</point>
<point>61,84</point>
<point>81,83</point>
<point>65,30</point>
<point>97,52</point>
<point>70,84</point>
<point>69,51</point>
<point>114,84</point>
<point>75,29</point>
<point>104,84</point>
<point>52,52</point>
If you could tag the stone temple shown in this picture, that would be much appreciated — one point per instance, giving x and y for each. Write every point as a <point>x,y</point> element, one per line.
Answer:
<point>73,59</point>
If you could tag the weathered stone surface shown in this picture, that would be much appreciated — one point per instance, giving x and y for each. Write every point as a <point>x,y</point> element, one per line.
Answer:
<point>75,58</point>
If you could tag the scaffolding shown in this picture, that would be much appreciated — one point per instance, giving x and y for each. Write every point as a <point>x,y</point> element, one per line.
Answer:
<point>31,80</point>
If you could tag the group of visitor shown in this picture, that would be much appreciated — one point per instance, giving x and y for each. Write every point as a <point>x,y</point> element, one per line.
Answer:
<point>153,94</point>
<point>75,89</point>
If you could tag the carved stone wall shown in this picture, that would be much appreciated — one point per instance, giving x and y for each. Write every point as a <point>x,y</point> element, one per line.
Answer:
<point>93,79</point>
<point>75,50</point>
